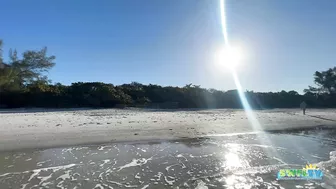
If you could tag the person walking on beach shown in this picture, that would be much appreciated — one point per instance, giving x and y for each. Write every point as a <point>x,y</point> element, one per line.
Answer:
<point>303,106</point>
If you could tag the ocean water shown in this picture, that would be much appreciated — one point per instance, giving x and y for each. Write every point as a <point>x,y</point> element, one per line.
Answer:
<point>245,160</point>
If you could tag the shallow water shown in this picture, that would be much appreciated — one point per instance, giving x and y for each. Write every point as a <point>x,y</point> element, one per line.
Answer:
<point>231,161</point>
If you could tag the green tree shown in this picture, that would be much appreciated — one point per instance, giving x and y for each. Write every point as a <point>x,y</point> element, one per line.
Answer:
<point>38,86</point>
<point>8,76</point>
<point>325,81</point>
<point>18,73</point>
<point>32,66</point>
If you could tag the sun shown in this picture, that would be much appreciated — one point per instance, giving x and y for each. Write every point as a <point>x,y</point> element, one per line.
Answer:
<point>229,57</point>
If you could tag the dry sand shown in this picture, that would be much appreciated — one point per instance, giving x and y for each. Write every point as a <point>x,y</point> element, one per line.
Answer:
<point>37,129</point>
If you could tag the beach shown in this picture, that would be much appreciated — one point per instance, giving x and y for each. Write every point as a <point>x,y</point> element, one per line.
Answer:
<point>138,148</point>
<point>231,161</point>
<point>41,128</point>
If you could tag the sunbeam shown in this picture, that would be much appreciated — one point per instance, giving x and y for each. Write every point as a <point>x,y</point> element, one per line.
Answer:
<point>223,21</point>
<point>256,125</point>
<point>247,108</point>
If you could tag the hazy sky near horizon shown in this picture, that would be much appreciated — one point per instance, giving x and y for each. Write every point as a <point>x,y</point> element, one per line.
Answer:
<point>173,42</point>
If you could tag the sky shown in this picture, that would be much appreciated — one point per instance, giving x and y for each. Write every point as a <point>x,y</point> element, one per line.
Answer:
<point>173,42</point>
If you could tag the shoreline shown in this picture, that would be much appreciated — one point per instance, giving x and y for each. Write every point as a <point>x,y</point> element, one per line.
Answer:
<point>97,126</point>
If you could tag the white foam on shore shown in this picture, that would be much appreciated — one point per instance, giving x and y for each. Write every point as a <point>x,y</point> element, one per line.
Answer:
<point>146,186</point>
<point>98,186</point>
<point>65,176</point>
<point>23,186</point>
<point>169,182</point>
<point>201,185</point>
<point>135,162</point>
<point>37,171</point>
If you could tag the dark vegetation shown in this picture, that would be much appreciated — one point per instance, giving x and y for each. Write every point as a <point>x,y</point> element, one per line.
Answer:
<point>23,83</point>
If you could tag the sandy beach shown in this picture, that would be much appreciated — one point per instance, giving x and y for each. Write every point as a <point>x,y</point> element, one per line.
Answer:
<point>165,149</point>
<point>40,128</point>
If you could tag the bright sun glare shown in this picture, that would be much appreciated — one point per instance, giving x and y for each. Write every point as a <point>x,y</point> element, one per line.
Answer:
<point>229,57</point>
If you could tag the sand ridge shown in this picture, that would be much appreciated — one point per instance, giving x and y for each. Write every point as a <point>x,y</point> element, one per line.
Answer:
<point>42,128</point>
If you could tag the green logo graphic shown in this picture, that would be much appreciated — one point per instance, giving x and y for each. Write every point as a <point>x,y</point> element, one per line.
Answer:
<point>306,173</point>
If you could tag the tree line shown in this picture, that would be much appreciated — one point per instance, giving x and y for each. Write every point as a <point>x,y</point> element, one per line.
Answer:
<point>24,83</point>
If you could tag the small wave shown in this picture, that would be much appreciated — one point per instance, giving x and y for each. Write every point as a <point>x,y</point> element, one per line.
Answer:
<point>330,164</point>
<point>329,170</point>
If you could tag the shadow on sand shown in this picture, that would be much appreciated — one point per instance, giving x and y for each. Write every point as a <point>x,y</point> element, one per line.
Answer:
<point>318,117</point>
<point>38,110</point>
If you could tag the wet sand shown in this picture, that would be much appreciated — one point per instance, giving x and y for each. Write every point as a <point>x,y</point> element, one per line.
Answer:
<point>41,129</point>
<point>232,161</point>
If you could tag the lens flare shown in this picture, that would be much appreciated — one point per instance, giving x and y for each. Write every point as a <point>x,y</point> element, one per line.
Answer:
<point>223,21</point>
<point>234,57</point>
<point>254,122</point>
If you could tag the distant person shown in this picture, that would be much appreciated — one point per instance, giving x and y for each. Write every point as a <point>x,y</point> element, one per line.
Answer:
<point>303,106</point>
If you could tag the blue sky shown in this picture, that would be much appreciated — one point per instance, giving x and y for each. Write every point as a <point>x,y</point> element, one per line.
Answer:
<point>173,42</point>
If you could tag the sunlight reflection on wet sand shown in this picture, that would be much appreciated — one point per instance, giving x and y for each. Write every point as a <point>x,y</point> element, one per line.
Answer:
<point>238,161</point>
